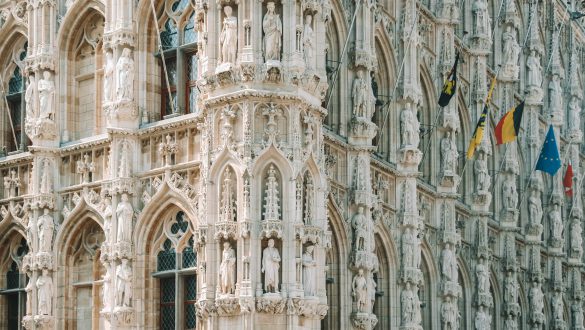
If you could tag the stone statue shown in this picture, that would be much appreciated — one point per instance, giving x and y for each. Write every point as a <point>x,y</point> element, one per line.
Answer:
<point>45,187</point>
<point>45,293</point>
<point>483,278</point>
<point>46,89</point>
<point>576,238</point>
<point>123,284</point>
<point>361,93</point>
<point>557,308</point>
<point>510,290</point>
<point>359,223</point>
<point>270,267</point>
<point>483,179</point>
<point>449,264</point>
<point>574,115</point>
<point>555,93</point>
<point>107,215</point>
<point>408,303</point>
<point>482,21</point>
<point>510,195</point>
<point>228,38</point>
<point>227,270</point>
<point>409,127</point>
<point>308,42</point>
<point>272,26</point>
<point>450,315</point>
<point>510,323</point>
<point>359,290</point>
<point>29,98</point>
<point>125,154</point>
<point>125,70</point>
<point>46,226</point>
<point>125,215</point>
<point>577,315</point>
<point>511,51</point>
<point>449,154</point>
<point>309,272</point>
<point>482,320</point>
<point>28,289</point>
<point>535,207</point>
<point>534,70</point>
<point>536,299</point>
<point>556,223</point>
<point>107,283</point>
<point>109,70</point>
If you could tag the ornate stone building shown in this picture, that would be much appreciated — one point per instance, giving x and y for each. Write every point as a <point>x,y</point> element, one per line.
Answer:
<point>230,164</point>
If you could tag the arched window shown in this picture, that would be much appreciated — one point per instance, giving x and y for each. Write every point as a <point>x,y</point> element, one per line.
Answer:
<point>12,293</point>
<point>179,54</point>
<point>175,271</point>
<point>16,104</point>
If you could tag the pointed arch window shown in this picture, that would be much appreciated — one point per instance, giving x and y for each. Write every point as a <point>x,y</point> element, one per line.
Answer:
<point>16,104</point>
<point>176,273</point>
<point>12,289</point>
<point>179,53</point>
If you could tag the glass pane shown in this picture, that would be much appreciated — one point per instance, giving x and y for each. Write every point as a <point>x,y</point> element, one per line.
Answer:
<point>12,311</point>
<point>190,288</point>
<point>193,92</point>
<point>192,67</point>
<point>84,308</point>
<point>190,298</point>
<point>15,110</point>
<point>15,84</point>
<point>189,31</point>
<point>189,258</point>
<point>169,37</point>
<point>13,277</point>
<point>179,5</point>
<point>171,71</point>
<point>166,258</point>
<point>167,303</point>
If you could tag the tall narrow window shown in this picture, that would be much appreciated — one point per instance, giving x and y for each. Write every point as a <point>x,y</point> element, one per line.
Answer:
<point>175,271</point>
<point>15,101</point>
<point>179,72</point>
<point>12,293</point>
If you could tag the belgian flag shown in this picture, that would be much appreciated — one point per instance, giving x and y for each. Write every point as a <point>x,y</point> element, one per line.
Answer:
<point>450,85</point>
<point>509,126</point>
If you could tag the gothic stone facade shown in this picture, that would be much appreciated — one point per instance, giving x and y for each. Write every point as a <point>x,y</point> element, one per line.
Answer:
<point>237,164</point>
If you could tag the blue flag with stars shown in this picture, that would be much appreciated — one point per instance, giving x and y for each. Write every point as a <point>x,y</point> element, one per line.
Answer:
<point>549,160</point>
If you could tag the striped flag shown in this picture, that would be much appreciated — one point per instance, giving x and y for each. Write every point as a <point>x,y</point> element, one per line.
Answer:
<point>568,180</point>
<point>509,126</point>
<point>480,127</point>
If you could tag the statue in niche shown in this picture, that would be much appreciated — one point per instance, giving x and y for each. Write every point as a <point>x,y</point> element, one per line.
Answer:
<point>409,127</point>
<point>510,323</point>
<point>359,290</point>
<point>123,284</point>
<point>536,298</point>
<point>124,168</point>
<point>308,42</point>
<point>449,314</point>
<point>483,321</point>
<point>577,315</point>
<point>227,269</point>
<point>125,70</point>
<point>28,289</point>
<point>510,290</point>
<point>408,248</point>
<point>45,293</point>
<point>29,98</point>
<point>46,89</point>
<point>46,177</point>
<point>107,214</point>
<point>359,222</point>
<point>481,18</point>
<point>534,69</point>
<point>555,93</point>
<point>576,238</point>
<point>228,38</point>
<point>309,272</point>
<point>483,179</point>
<point>535,208</point>
<point>272,26</point>
<point>449,153</point>
<point>556,223</point>
<point>574,115</point>
<point>511,51</point>
<point>46,226</point>
<point>270,267</point>
<point>410,306</point>
<point>363,97</point>
<point>510,195</point>
<point>107,282</point>
<point>124,214</point>
<point>557,308</point>
<point>449,263</point>
<point>483,278</point>
<point>109,70</point>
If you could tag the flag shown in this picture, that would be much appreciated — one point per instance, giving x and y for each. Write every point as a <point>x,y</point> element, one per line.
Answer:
<point>450,85</point>
<point>479,128</point>
<point>549,160</point>
<point>509,126</point>
<point>568,181</point>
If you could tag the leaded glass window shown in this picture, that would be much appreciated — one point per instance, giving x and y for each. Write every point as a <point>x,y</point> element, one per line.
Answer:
<point>15,102</point>
<point>12,294</point>
<point>176,272</point>
<point>178,39</point>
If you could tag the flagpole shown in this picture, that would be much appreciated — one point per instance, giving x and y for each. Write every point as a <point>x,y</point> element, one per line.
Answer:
<point>16,145</point>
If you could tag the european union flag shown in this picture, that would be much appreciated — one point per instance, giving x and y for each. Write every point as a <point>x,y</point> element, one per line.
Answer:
<point>549,160</point>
